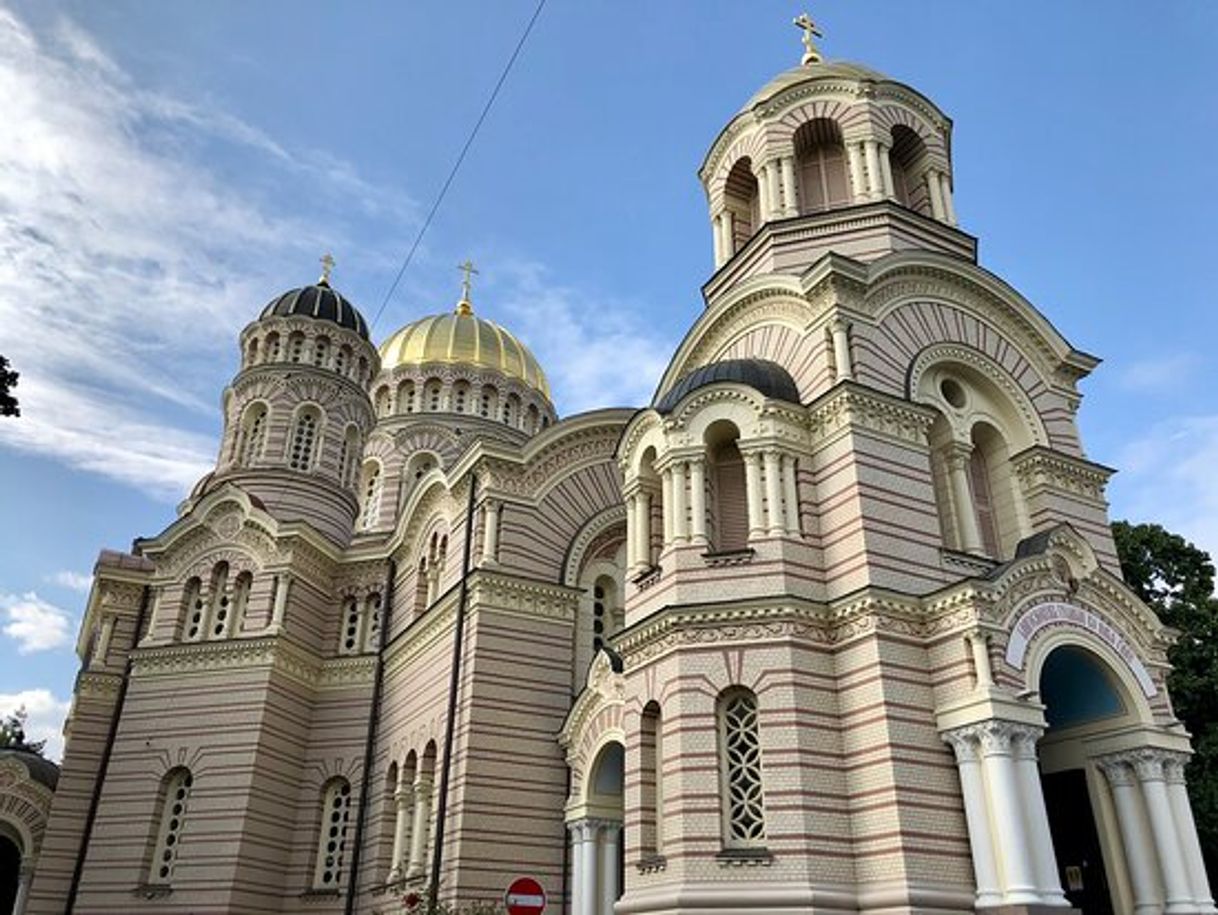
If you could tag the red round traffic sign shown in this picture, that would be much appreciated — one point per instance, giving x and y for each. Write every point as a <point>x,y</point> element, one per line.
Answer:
<point>525,897</point>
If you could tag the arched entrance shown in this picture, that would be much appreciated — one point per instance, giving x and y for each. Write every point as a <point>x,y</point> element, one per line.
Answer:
<point>598,871</point>
<point>1082,704</point>
<point>10,871</point>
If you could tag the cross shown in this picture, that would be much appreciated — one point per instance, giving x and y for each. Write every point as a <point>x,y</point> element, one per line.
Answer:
<point>327,266</point>
<point>468,269</point>
<point>811,54</point>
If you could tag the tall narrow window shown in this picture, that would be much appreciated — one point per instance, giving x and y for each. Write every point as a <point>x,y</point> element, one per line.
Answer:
<point>729,510</point>
<point>487,407</point>
<point>740,766</point>
<point>433,396</point>
<point>907,160</point>
<point>650,769</point>
<point>304,439</point>
<point>347,460</point>
<point>332,841</point>
<point>351,625</point>
<point>221,601</point>
<point>406,397</point>
<point>321,352</point>
<point>821,160</point>
<point>167,840</point>
<point>272,347</point>
<point>193,606</point>
<point>296,347</point>
<point>742,204</point>
<point>342,359</point>
<point>420,587</point>
<point>382,402</point>
<point>373,487</point>
<point>460,396</point>
<point>241,599</point>
<point>253,433</point>
<point>372,616</point>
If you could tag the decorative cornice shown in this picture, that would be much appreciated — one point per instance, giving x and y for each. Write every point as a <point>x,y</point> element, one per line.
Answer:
<point>1039,468</point>
<point>851,405</point>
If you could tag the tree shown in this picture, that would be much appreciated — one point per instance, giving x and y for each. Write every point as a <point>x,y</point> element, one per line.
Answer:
<point>1177,580</point>
<point>8,381</point>
<point>12,734</point>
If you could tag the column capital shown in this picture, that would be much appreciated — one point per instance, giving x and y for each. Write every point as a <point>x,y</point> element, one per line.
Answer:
<point>1002,738</point>
<point>1173,767</point>
<point>964,741</point>
<point>1117,769</point>
<point>957,454</point>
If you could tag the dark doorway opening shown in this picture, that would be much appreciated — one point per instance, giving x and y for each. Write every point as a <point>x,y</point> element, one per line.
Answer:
<point>1075,840</point>
<point>10,872</point>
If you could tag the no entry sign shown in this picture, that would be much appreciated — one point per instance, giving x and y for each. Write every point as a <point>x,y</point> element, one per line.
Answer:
<point>525,897</point>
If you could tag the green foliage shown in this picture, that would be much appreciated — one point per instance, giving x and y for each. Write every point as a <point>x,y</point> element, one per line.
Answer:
<point>1177,580</point>
<point>12,734</point>
<point>8,381</point>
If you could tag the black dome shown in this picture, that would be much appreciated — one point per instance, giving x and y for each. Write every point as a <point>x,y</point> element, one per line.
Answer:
<point>41,770</point>
<point>770,378</point>
<point>318,301</point>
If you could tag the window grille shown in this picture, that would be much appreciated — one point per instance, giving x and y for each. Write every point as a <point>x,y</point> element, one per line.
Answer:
<point>303,438</point>
<point>744,809</point>
<point>332,843</point>
<point>169,830</point>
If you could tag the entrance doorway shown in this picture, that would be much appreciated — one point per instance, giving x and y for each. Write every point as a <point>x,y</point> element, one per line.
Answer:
<point>1080,860</point>
<point>10,873</point>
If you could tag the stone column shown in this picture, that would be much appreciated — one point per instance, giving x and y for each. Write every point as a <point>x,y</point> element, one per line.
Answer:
<point>790,491</point>
<point>680,528</point>
<point>763,193</point>
<point>154,611</point>
<point>964,742</point>
<point>1138,852</point>
<point>1186,827</point>
<point>717,238</point>
<point>773,492</point>
<point>790,203</point>
<point>609,866</point>
<point>752,484</point>
<point>1044,860</point>
<point>283,584</point>
<point>103,642</point>
<point>949,207</point>
<point>875,184</point>
<point>490,533</point>
<point>936,195</point>
<point>583,882</point>
<point>632,532</point>
<point>25,876</point>
<point>957,456</point>
<point>421,825</point>
<point>403,798</point>
<point>854,159</point>
<point>697,500</point>
<point>1148,765</point>
<point>890,190</point>
<point>644,527</point>
<point>666,491</point>
<point>729,235</point>
<point>774,190</point>
<point>1006,807</point>
<point>839,331</point>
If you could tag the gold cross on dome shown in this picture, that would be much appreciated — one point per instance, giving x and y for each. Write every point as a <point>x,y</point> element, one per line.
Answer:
<point>327,267</point>
<point>468,270</point>
<point>811,32</point>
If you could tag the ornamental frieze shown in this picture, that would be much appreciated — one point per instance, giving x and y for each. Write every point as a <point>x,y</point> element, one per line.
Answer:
<point>854,406</point>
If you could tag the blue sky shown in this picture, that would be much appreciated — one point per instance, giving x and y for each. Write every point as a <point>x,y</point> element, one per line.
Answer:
<point>168,168</point>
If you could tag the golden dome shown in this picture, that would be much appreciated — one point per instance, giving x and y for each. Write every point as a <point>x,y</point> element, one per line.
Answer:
<point>461,337</point>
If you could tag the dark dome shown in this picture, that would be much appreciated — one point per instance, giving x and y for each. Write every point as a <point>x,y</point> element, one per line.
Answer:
<point>40,769</point>
<point>318,301</point>
<point>770,378</point>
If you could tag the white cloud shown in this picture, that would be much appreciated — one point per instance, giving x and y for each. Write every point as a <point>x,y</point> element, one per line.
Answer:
<point>74,581</point>
<point>35,624</point>
<point>596,354</point>
<point>1160,373</point>
<point>45,719</point>
<point>131,253</point>
<point>1167,477</point>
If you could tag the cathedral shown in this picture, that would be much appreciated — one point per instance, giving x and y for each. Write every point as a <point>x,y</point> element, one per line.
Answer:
<point>835,624</point>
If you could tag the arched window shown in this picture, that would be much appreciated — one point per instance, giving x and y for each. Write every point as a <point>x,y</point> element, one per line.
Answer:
<point>253,434</point>
<point>533,423</point>
<point>993,489</point>
<point>728,503</point>
<point>372,489</point>
<point>362,374</point>
<point>486,408</point>
<point>511,410</point>
<point>432,392</point>
<point>907,158</point>
<point>303,443</point>
<point>221,602</point>
<point>742,200</point>
<point>420,587</point>
<point>321,352</point>
<point>350,456</point>
<point>381,401</point>
<point>272,347</point>
<point>460,396</point>
<point>740,769</point>
<point>167,840</point>
<point>406,397</point>
<point>651,489</point>
<point>372,616</point>
<point>820,158</point>
<point>192,604</point>
<point>342,359</point>
<point>251,354</point>
<point>241,599</point>
<point>332,839</point>
<point>650,779</point>
<point>351,625</point>
<point>296,347</point>
<point>605,612</point>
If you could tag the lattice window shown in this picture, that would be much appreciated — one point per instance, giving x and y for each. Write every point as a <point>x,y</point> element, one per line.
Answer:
<point>373,488</point>
<point>168,838</point>
<point>372,613</point>
<point>321,352</point>
<point>406,397</point>
<point>485,407</point>
<point>341,357</point>
<point>347,461</point>
<point>272,348</point>
<point>253,436</point>
<point>221,601</point>
<point>304,438</point>
<point>433,398</point>
<point>740,763</point>
<point>332,843</point>
<point>351,625</point>
<point>459,399</point>
<point>599,617</point>
<point>296,346</point>
<point>193,604</point>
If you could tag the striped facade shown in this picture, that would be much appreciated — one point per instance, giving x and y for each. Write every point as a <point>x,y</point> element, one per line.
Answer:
<point>748,651</point>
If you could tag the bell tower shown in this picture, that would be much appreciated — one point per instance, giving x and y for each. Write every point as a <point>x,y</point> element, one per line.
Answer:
<point>829,155</point>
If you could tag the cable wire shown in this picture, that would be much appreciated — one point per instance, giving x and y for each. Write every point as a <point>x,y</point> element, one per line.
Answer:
<point>460,158</point>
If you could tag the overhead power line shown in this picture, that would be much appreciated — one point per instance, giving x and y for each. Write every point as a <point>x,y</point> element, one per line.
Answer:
<point>490,102</point>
